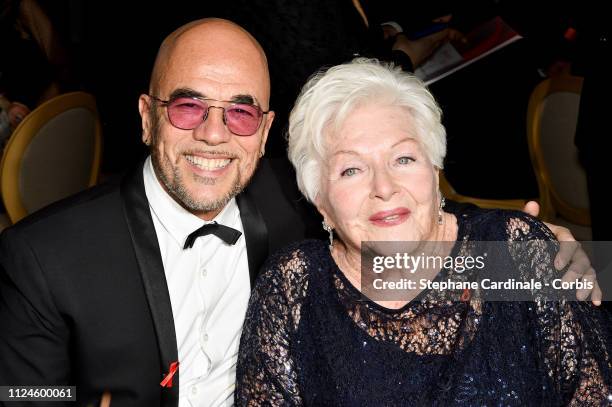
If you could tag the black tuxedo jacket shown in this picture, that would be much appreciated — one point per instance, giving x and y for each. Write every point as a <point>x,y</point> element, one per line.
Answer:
<point>83,295</point>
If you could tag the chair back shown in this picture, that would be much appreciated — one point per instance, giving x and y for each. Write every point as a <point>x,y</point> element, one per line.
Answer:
<point>449,192</point>
<point>551,126</point>
<point>53,153</point>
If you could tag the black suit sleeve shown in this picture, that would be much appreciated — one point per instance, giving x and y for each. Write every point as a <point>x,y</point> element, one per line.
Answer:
<point>34,338</point>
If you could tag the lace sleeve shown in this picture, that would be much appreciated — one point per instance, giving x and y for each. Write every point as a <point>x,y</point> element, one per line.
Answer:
<point>585,361</point>
<point>266,372</point>
<point>573,335</point>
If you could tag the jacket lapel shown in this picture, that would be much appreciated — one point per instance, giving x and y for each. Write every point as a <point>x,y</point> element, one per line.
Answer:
<point>148,257</point>
<point>255,233</point>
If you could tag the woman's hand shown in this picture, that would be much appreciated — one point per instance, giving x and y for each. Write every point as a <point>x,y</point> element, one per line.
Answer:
<point>420,49</point>
<point>571,253</point>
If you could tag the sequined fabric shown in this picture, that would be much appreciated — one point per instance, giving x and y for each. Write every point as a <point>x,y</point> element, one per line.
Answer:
<point>311,338</point>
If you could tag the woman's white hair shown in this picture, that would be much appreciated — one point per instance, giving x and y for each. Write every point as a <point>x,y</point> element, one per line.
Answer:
<point>330,96</point>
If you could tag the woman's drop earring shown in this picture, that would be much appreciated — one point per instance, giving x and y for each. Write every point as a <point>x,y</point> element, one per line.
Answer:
<point>440,212</point>
<point>329,230</point>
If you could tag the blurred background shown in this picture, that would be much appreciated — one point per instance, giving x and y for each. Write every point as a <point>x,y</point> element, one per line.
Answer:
<point>107,49</point>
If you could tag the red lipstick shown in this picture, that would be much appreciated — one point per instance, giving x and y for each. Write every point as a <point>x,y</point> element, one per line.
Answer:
<point>390,218</point>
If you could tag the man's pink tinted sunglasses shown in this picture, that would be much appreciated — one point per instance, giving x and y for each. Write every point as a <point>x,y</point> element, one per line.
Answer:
<point>187,113</point>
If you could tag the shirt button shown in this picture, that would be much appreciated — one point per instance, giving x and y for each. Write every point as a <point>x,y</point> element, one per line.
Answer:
<point>204,337</point>
<point>194,390</point>
<point>204,273</point>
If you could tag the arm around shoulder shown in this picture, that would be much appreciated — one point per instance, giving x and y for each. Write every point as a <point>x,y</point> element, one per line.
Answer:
<point>575,335</point>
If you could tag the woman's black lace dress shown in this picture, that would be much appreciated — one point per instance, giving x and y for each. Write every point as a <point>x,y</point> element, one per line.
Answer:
<point>310,338</point>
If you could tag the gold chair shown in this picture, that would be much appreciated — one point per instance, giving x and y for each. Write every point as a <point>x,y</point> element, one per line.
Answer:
<point>449,192</point>
<point>551,126</point>
<point>54,152</point>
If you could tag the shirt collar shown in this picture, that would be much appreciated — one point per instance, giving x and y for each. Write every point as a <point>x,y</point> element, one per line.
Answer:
<point>175,219</point>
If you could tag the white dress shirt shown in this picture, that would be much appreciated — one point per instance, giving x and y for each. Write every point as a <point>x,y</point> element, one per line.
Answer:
<point>209,289</point>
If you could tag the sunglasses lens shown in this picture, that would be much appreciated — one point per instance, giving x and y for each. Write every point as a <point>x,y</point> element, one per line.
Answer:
<point>186,113</point>
<point>242,119</point>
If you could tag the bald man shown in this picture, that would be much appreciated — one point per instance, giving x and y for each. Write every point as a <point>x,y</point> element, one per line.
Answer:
<point>111,290</point>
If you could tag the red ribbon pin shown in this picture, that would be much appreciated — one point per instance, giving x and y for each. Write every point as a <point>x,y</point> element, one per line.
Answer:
<point>167,382</point>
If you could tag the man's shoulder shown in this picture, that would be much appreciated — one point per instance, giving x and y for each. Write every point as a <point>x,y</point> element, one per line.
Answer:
<point>274,190</point>
<point>274,174</point>
<point>504,225</point>
<point>94,205</point>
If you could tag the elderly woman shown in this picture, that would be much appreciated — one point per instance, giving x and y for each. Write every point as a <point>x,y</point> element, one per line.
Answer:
<point>367,144</point>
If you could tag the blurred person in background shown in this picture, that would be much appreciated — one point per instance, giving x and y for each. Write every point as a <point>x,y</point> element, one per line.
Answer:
<point>34,62</point>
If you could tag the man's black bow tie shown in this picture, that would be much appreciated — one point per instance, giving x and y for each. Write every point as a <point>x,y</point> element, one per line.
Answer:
<point>225,233</point>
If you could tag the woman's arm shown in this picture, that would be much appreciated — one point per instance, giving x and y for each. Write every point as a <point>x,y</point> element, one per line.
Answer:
<point>266,372</point>
<point>585,353</point>
<point>575,335</point>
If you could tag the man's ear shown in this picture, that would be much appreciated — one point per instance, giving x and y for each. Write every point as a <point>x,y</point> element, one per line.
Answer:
<point>144,107</point>
<point>268,119</point>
